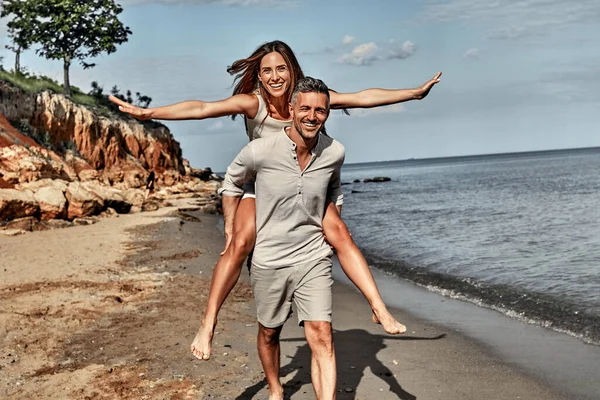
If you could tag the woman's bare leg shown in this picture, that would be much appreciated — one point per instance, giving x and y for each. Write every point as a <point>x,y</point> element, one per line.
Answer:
<point>226,274</point>
<point>356,268</point>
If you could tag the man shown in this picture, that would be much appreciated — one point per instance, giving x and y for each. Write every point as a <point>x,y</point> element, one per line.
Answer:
<point>296,172</point>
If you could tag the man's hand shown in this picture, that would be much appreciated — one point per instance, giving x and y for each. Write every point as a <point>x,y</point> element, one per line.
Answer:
<point>230,205</point>
<point>134,111</point>
<point>228,237</point>
<point>325,237</point>
<point>424,90</point>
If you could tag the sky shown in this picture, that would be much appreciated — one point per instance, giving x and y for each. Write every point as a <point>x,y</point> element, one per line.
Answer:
<point>518,75</point>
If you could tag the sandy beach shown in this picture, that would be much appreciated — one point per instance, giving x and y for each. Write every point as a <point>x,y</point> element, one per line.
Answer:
<point>108,311</point>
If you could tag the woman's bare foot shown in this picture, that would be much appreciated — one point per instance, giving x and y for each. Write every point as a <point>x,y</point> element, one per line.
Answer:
<point>201,346</point>
<point>388,322</point>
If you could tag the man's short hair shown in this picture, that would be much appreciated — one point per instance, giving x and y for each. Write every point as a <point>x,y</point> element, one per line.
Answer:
<point>310,85</point>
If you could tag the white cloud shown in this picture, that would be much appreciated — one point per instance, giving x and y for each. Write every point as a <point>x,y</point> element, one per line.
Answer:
<point>216,126</point>
<point>363,54</point>
<point>348,39</point>
<point>368,53</point>
<point>366,112</point>
<point>472,53</point>
<point>509,19</point>
<point>405,50</point>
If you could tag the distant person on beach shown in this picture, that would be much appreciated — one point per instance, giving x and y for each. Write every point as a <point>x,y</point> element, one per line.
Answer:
<point>296,173</point>
<point>262,95</point>
<point>150,184</point>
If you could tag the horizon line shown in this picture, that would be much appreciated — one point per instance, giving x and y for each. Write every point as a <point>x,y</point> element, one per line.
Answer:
<point>476,156</point>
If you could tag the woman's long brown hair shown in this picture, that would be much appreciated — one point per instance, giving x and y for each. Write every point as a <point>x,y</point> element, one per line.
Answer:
<point>246,70</point>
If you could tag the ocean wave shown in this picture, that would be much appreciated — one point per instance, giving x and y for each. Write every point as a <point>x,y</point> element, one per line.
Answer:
<point>542,309</point>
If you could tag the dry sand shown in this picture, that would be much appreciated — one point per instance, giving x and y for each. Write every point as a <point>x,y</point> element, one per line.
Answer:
<point>108,311</point>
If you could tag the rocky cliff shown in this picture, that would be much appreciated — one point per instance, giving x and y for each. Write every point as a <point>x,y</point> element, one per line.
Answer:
<point>79,151</point>
<point>119,148</point>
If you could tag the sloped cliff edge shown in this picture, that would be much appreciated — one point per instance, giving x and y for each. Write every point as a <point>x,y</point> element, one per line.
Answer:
<point>65,161</point>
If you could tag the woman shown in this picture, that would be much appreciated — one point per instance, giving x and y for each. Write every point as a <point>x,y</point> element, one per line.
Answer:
<point>266,80</point>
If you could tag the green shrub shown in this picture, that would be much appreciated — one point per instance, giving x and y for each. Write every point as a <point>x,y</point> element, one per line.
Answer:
<point>95,99</point>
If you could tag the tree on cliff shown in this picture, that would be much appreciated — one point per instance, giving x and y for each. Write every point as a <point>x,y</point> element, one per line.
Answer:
<point>20,28</point>
<point>98,93</point>
<point>76,30</point>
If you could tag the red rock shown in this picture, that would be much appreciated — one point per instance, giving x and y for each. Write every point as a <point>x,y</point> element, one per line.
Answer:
<point>150,205</point>
<point>17,204</point>
<point>52,202</point>
<point>11,232</point>
<point>134,196</point>
<point>58,224</point>
<point>34,186</point>
<point>106,144</point>
<point>81,202</point>
<point>101,151</point>
<point>25,224</point>
<point>85,221</point>
<point>111,197</point>
<point>88,175</point>
<point>21,164</point>
<point>109,213</point>
<point>5,184</point>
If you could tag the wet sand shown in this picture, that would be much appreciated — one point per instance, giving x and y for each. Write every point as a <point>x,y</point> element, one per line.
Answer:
<point>108,311</point>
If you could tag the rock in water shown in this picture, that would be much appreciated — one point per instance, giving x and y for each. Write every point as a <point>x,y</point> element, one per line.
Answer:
<point>378,179</point>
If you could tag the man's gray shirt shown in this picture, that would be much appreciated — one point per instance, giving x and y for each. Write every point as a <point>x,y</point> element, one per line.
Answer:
<point>290,203</point>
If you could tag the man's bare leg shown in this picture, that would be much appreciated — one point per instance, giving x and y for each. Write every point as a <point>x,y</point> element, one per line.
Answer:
<point>269,352</point>
<point>226,274</point>
<point>323,369</point>
<point>356,268</point>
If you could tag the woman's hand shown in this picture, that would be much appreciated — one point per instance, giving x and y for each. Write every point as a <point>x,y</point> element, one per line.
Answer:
<point>134,111</point>
<point>423,91</point>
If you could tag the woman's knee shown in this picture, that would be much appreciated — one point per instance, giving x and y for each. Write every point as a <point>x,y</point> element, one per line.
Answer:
<point>244,229</point>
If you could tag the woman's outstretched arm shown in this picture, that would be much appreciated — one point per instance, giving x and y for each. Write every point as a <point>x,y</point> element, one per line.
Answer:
<point>245,104</point>
<point>381,97</point>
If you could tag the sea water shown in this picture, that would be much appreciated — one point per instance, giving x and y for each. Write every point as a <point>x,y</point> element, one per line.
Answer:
<point>519,233</point>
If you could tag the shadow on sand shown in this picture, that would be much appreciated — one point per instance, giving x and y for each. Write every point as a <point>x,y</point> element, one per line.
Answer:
<point>356,350</point>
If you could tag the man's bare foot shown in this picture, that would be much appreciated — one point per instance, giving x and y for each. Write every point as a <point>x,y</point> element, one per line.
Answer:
<point>201,346</point>
<point>276,393</point>
<point>388,322</point>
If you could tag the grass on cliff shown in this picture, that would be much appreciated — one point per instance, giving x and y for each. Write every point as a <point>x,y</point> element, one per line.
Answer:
<point>36,84</point>
<point>102,106</point>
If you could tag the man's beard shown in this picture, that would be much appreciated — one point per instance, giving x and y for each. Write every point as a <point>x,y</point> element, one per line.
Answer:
<point>299,128</point>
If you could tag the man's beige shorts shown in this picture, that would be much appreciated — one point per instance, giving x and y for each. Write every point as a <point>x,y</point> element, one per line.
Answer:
<point>308,285</point>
